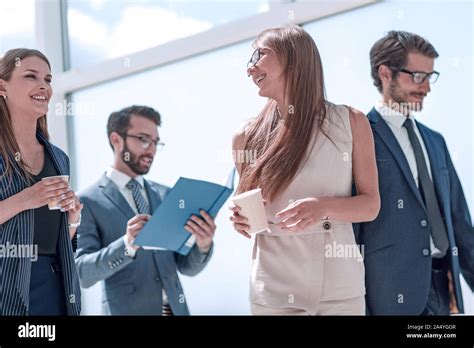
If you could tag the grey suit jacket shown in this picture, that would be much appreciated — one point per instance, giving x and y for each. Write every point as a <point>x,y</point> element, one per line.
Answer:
<point>130,286</point>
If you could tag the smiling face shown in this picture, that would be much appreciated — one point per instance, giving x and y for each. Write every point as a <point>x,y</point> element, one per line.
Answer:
<point>403,90</point>
<point>132,153</point>
<point>29,89</point>
<point>267,74</point>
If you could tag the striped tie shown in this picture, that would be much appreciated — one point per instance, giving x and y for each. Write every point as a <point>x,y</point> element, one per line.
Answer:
<point>140,203</point>
<point>143,208</point>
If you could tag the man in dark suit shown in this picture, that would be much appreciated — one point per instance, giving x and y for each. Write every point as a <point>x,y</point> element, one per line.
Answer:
<point>423,239</point>
<point>135,281</point>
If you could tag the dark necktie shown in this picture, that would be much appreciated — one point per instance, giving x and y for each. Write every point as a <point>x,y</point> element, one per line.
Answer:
<point>426,187</point>
<point>140,203</point>
<point>143,208</point>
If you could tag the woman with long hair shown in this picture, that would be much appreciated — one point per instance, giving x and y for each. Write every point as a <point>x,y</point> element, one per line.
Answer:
<point>38,275</point>
<point>308,154</point>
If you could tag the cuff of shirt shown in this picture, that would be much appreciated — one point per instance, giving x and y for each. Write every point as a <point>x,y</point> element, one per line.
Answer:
<point>129,251</point>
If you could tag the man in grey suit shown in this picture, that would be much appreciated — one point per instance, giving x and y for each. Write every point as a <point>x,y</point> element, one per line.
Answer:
<point>135,281</point>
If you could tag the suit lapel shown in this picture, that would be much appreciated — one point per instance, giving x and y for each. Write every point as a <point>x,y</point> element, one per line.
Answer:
<point>441,185</point>
<point>111,191</point>
<point>381,128</point>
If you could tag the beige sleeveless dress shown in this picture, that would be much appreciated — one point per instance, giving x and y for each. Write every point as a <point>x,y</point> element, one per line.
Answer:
<point>321,263</point>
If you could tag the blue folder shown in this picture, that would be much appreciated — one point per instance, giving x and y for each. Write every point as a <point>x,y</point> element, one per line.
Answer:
<point>165,229</point>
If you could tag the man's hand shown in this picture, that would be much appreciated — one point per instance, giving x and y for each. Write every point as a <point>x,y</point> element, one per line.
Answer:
<point>134,226</point>
<point>203,230</point>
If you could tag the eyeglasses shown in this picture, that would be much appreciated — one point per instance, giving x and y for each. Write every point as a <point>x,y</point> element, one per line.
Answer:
<point>256,55</point>
<point>419,77</point>
<point>145,142</point>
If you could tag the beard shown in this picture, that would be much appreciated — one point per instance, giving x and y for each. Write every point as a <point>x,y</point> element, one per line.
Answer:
<point>400,96</point>
<point>133,161</point>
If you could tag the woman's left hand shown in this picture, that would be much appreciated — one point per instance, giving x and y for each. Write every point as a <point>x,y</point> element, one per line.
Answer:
<point>72,205</point>
<point>302,213</point>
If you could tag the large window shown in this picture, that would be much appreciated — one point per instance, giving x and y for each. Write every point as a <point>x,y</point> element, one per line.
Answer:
<point>17,20</point>
<point>347,68</point>
<point>104,29</point>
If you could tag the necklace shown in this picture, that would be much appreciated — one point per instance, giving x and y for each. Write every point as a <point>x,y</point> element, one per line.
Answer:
<point>35,160</point>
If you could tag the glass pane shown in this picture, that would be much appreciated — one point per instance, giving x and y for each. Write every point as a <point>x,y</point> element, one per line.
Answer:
<point>17,20</point>
<point>104,29</point>
<point>203,101</point>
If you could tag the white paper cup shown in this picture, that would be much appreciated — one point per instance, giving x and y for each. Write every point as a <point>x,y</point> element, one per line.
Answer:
<point>252,207</point>
<point>54,205</point>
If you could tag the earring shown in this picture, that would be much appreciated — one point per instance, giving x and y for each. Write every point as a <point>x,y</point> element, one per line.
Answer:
<point>4,97</point>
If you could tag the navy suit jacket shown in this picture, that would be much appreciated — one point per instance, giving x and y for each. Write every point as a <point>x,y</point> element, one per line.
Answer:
<point>396,244</point>
<point>130,286</point>
<point>15,272</point>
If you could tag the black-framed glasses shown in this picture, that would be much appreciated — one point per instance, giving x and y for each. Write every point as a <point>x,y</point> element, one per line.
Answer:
<point>419,77</point>
<point>145,142</point>
<point>256,55</point>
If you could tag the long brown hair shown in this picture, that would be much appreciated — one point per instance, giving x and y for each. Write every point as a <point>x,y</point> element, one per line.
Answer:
<point>9,148</point>
<point>281,146</point>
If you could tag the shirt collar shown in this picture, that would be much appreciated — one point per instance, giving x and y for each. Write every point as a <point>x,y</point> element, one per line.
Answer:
<point>391,116</point>
<point>121,179</point>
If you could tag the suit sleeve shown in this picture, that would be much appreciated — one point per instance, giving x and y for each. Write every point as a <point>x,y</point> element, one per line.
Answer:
<point>462,225</point>
<point>94,262</point>
<point>194,262</point>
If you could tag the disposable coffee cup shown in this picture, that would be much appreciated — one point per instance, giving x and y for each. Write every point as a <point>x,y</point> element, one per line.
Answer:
<point>55,205</point>
<point>252,207</point>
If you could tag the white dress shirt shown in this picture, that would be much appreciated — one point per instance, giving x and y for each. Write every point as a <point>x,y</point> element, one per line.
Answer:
<point>395,121</point>
<point>121,180</point>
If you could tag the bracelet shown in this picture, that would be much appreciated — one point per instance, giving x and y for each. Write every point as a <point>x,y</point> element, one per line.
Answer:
<point>77,224</point>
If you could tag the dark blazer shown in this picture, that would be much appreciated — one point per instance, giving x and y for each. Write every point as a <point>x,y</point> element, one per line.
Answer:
<point>397,243</point>
<point>15,272</point>
<point>130,286</point>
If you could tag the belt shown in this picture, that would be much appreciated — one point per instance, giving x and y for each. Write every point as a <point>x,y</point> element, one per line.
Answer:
<point>439,263</point>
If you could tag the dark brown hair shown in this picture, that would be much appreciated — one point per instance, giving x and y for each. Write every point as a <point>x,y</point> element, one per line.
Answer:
<point>392,50</point>
<point>119,121</point>
<point>8,144</point>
